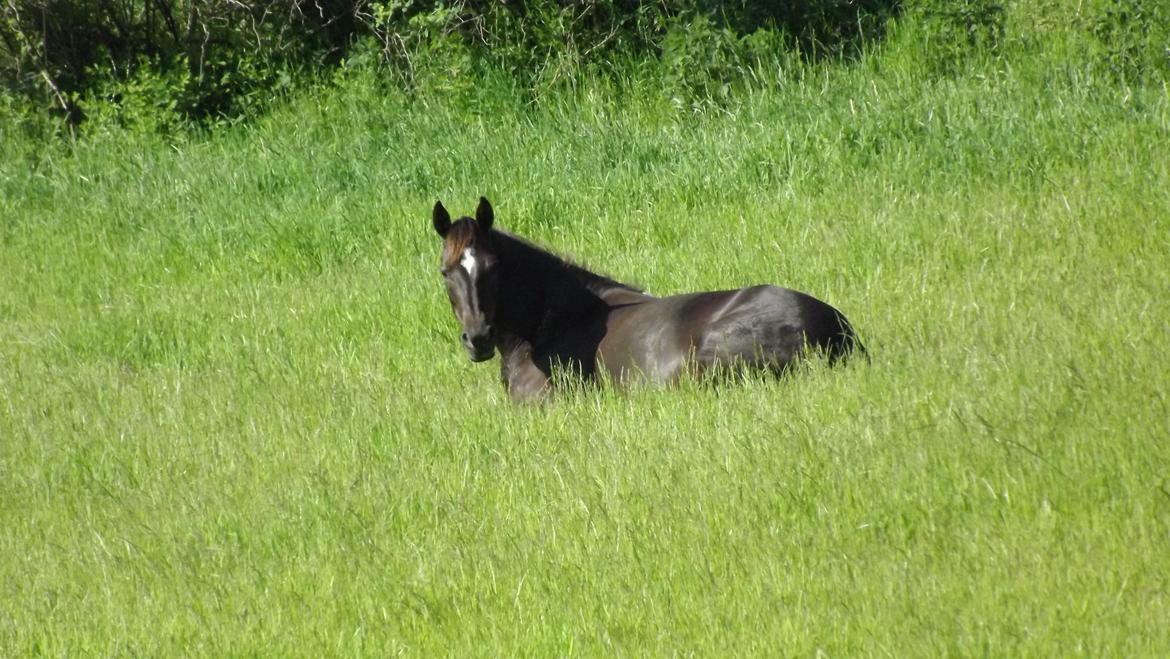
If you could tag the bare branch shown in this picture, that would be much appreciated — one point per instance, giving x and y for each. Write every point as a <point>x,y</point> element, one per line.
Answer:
<point>56,91</point>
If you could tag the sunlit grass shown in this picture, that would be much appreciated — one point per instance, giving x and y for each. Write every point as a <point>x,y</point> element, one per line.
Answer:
<point>235,418</point>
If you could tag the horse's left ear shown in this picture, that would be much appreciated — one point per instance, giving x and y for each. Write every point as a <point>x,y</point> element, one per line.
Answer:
<point>484,214</point>
<point>441,219</point>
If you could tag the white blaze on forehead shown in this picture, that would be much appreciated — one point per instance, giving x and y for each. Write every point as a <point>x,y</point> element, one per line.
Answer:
<point>468,261</point>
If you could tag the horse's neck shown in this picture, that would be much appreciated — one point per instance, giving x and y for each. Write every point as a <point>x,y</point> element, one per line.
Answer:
<point>544,295</point>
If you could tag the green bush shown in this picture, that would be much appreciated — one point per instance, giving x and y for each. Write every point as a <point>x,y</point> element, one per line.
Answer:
<point>197,59</point>
<point>163,63</point>
<point>958,29</point>
<point>191,58</point>
<point>1131,37</point>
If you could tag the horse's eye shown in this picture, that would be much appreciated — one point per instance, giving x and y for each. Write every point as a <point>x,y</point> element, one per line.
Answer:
<point>443,271</point>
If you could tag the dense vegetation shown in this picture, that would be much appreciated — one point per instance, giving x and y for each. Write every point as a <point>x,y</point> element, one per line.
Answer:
<point>201,59</point>
<point>162,62</point>
<point>235,419</point>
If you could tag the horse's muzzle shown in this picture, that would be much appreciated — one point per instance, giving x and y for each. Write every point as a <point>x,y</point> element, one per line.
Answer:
<point>481,346</point>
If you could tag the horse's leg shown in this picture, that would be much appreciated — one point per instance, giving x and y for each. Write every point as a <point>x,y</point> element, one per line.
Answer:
<point>526,384</point>
<point>522,379</point>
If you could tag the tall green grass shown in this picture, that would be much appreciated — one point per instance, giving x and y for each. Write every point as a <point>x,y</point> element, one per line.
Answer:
<point>235,418</point>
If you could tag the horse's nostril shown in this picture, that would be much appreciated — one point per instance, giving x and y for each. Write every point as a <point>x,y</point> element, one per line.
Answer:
<point>463,338</point>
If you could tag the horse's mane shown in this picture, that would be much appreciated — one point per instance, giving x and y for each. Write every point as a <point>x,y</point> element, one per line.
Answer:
<point>550,263</point>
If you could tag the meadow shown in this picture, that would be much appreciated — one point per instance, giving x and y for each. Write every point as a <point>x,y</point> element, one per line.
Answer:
<point>236,420</point>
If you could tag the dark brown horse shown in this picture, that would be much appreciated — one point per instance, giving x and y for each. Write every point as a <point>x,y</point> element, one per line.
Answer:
<point>543,313</point>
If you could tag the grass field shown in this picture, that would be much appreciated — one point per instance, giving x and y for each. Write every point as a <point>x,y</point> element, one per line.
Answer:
<point>236,419</point>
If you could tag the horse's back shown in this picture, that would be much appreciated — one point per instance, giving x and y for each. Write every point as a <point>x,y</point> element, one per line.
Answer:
<point>760,326</point>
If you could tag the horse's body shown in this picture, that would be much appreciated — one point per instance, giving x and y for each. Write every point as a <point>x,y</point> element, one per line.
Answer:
<point>543,313</point>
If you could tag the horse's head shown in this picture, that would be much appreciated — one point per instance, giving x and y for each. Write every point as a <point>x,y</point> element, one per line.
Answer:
<point>468,264</point>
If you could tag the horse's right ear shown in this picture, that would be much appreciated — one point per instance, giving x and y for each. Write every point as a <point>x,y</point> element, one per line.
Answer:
<point>484,214</point>
<point>441,219</point>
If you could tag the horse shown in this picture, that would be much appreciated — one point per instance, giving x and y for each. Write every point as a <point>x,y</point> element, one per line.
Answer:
<point>544,315</point>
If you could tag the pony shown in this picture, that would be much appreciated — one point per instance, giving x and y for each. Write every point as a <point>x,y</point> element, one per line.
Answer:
<point>544,314</point>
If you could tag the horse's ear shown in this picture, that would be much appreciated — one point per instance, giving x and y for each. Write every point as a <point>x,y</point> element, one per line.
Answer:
<point>441,219</point>
<point>484,214</point>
